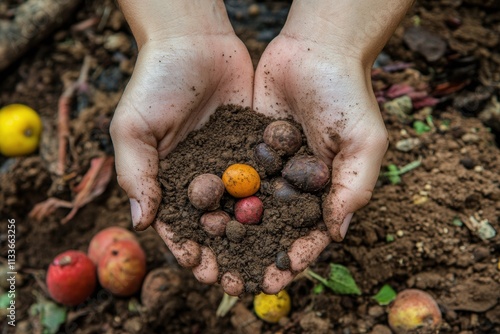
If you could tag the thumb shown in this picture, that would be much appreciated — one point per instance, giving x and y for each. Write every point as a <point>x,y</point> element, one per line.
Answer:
<point>355,170</point>
<point>136,165</point>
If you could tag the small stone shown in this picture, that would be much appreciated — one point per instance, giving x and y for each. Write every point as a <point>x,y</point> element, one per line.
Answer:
<point>467,162</point>
<point>406,145</point>
<point>400,233</point>
<point>282,261</point>
<point>133,325</point>
<point>429,45</point>
<point>470,138</point>
<point>478,169</point>
<point>376,311</point>
<point>381,329</point>
<point>400,107</point>
<point>254,10</point>
<point>117,42</point>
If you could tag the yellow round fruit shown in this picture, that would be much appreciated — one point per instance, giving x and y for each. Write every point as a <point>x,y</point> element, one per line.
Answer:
<point>241,180</point>
<point>20,129</point>
<point>271,308</point>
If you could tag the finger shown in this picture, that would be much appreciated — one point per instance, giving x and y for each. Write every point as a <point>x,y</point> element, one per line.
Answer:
<point>187,253</point>
<point>136,165</point>
<point>207,271</point>
<point>302,252</point>
<point>232,283</point>
<point>276,280</point>
<point>355,170</point>
<point>306,249</point>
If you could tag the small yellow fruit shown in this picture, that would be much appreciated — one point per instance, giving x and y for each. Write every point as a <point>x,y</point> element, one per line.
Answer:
<point>271,308</point>
<point>241,180</point>
<point>413,309</point>
<point>20,129</point>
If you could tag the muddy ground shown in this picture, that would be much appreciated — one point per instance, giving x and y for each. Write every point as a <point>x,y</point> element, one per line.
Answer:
<point>420,232</point>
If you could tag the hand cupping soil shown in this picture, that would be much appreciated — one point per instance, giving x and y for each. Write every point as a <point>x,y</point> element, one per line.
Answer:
<point>291,204</point>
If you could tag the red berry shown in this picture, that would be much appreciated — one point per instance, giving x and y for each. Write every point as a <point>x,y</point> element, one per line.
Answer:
<point>248,210</point>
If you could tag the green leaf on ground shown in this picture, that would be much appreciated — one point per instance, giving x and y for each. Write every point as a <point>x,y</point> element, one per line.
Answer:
<point>340,280</point>
<point>51,315</point>
<point>385,295</point>
<point>5,300</point>
<point>318,288</point>
<point>420,127</point>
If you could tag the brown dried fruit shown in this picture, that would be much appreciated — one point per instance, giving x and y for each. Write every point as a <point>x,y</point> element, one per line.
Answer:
<point>268,158</point>
<point>284,191</point>
<point>205,191</point>
<point>214,222</point>
<point>307,173</point>
<point>283,137</point>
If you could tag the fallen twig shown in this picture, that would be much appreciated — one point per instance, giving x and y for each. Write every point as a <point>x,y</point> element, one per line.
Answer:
<point>64,107</point>
<point>33,21</point>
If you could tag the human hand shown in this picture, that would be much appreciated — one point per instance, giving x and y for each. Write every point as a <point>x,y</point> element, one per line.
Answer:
<point>330,95</point>
<point>184,71</point>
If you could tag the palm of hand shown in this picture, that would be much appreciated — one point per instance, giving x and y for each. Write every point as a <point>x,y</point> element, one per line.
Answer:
<point>330,94</point>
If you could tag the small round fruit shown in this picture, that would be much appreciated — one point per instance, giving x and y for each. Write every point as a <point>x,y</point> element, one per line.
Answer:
<point>307,173</point>
<point>214,222</point>
<point>71,278</point>
<point>122,268</point>
<point>241,180</point>
<point>205,192</point>
<point>249,210</point>
<point>271,308</point>
<point>413,309</point>
<point>268,158</point>
<point>104,238</point>
<point>283,137</point>
<point>20,129</point>
<point>284,191</point>
<point>282,261</point>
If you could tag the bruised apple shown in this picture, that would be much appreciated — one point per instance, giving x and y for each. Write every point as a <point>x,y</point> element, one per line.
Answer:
<point>122,268</point>
<point>104,238</point>
<point>413,309</point>
<point>71,278</point>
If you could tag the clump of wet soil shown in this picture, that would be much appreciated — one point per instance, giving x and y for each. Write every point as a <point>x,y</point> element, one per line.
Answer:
<point>229,138</point>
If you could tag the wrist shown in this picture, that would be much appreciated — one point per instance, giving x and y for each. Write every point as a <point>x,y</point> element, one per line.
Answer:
<point>357,29</point>
<point>156,20</point>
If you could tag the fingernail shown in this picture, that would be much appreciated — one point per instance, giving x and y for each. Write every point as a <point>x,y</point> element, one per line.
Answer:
<point>345,225</point>
<point>135,209</point>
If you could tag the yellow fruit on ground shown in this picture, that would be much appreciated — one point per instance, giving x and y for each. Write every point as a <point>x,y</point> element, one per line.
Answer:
<point>241,180</point>
<point>271,308</point>
<point>20,129</point>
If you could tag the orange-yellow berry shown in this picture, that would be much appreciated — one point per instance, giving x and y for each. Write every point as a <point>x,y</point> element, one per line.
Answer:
<point>241,180</point>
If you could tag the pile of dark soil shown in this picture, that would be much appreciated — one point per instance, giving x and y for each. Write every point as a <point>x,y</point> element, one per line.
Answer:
<point>229,138</point>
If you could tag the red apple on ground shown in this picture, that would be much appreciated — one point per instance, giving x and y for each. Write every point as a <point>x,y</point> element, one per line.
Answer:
<point>122,268</point>
<point>71,278</point>
<point>104,238</point>
<point>413,309</point>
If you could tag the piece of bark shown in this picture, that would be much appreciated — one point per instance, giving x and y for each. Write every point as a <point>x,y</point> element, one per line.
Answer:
<point>32,22</point>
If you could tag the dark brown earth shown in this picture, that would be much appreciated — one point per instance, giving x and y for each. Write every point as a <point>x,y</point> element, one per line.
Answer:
<point>229,138</point>
<point>408,236</point>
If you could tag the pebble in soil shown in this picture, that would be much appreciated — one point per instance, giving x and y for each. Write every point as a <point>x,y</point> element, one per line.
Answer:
<point>230,137</point>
